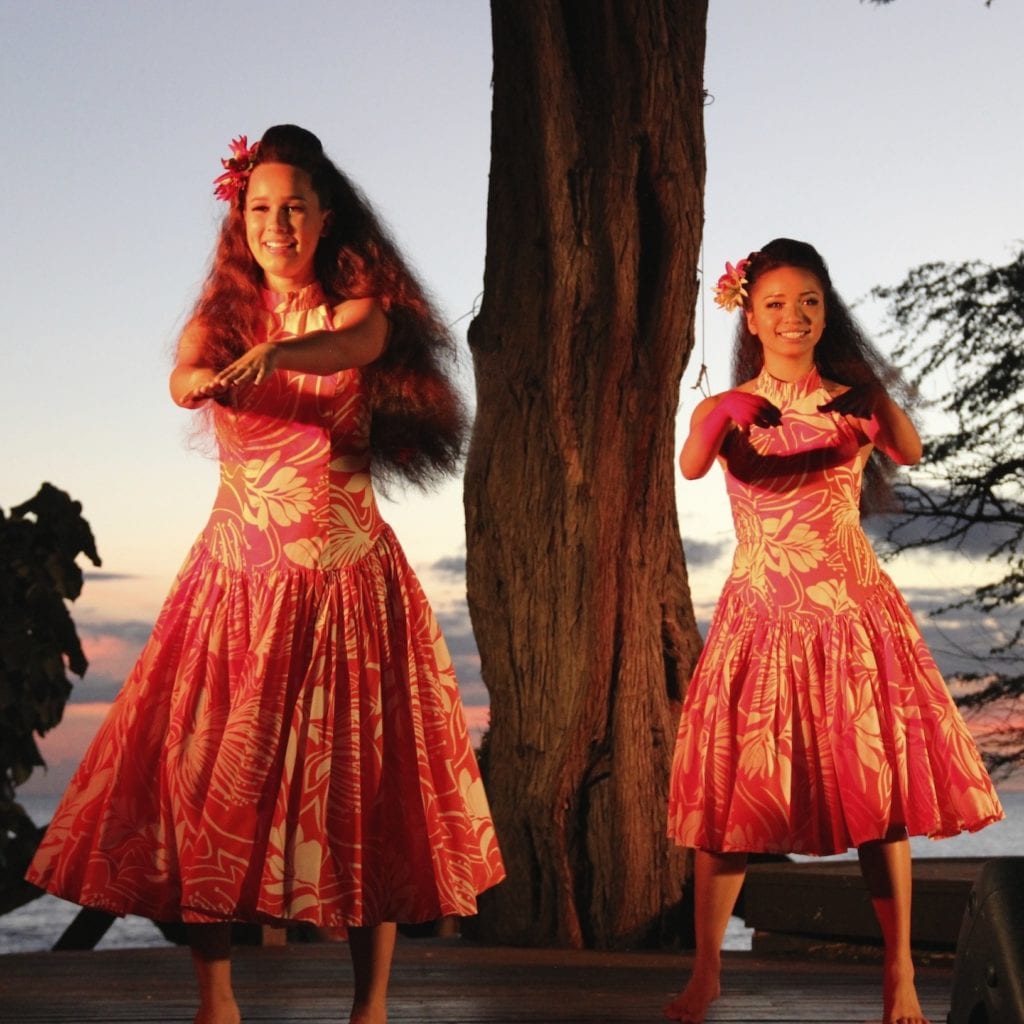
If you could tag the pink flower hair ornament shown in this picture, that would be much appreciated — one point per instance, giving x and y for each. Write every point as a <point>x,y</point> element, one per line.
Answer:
<point>730,291</point>
<point>237,169</point>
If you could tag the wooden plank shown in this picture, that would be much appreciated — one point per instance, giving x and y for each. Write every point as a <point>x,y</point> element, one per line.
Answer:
<point>445,980</point>
<point>829,900</point>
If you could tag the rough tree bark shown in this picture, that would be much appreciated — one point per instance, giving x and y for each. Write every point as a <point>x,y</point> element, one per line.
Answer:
<point>577,585</point>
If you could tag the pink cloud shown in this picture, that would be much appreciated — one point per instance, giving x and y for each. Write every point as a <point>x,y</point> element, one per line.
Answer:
<point>478,718</point>
<point>109,655</point>
<point>62,748</point>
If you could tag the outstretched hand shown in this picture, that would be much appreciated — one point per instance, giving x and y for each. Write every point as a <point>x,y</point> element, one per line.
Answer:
<point>748,410</point>
<point>201,392</point>
<point>861,401</point>
<point>254,367</point>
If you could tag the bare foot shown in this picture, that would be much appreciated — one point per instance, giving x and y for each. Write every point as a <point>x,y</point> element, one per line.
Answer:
<point>368,1015</point>
<point>691,1005</point>
<point>220,1013</point>
<point>900,1004</point>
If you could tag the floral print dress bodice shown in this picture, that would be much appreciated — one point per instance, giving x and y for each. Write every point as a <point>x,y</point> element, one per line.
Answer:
<point>295,488</point>
<point>795,493</point>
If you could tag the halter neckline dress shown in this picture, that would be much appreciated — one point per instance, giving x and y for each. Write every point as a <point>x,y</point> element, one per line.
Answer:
<point>290,745</point>
<point>816,718</point>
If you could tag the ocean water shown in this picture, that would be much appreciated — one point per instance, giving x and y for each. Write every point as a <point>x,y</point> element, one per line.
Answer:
<point>38,925</point>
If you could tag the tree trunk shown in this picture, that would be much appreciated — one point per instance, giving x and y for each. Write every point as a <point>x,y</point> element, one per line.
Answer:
<point>576,580</point>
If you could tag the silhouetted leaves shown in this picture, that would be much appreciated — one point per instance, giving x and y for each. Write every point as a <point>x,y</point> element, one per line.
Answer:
<point>39,544</point>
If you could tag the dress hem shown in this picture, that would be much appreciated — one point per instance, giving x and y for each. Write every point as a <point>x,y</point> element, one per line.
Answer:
<point>767,848</point>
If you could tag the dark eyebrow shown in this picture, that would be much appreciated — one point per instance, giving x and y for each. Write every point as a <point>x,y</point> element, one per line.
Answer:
<point>809,291</point>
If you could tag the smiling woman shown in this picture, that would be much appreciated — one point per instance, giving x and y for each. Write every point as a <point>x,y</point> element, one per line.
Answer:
<point>296,701</point>
<point>284,223</point>
<point>816,719</point>
<point>787,315</point>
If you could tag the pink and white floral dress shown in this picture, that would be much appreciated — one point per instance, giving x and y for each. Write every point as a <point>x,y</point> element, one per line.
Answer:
<point>816,718</point>
<point>290,745</point>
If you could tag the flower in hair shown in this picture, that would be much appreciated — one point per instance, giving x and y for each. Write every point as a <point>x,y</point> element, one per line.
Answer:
<point>237,169</point>
<point>729,292</point>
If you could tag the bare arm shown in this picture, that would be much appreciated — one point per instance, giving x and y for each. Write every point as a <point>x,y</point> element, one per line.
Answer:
<point>359,338</point>
<point>711,422</point>
<point>191,378</point>
<point>892,431</point>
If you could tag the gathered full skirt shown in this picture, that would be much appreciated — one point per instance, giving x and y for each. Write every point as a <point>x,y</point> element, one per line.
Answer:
<point>813,739</point>
<point>289,747</point>
<point>816,718</point>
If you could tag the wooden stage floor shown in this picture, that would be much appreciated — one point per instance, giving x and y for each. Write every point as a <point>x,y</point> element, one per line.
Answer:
<point>445,980</point>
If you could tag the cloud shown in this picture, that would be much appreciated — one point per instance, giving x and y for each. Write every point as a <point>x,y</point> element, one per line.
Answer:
<point>479,720</point>
<point>127,631</point>
<point>700,553</point>
<point>896,531</point>
<point>451,565</point>
<point>930,600</point>
<point>62,748</point>
<point>961,639</point>
<point>458,634</point>
<point>454,620</point>
<point>112,648</point>
<point>95,686</point>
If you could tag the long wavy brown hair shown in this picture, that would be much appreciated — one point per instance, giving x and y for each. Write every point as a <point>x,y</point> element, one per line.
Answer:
<point>844,354</point>
<point>418,420</point>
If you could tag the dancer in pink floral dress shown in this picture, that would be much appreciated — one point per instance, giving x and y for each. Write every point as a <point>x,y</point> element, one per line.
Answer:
<point>290,745</point>
<point>816,719</point>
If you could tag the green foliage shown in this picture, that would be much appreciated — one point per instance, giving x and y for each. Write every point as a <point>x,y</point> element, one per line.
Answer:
<point>961,333</point>
<point>39,543</point>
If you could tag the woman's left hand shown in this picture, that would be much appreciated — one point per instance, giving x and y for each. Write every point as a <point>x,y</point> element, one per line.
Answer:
<point>252,368</point>
<point>861,401</point>
<point>884,423</point>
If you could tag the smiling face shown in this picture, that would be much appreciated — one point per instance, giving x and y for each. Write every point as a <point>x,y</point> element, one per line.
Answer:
<point>787,314</point>
<point>283,224</point>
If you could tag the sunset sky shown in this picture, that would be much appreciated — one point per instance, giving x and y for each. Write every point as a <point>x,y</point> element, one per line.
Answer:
<point>887,136</point>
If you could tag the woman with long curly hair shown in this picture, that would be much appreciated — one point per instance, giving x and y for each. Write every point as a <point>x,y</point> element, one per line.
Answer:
<point>290,746</point>
<point>816,719</point>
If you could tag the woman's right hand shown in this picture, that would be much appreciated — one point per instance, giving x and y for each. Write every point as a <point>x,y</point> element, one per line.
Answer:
<point>748,410</point>
<point>192,385</point>
<point>714,418</point>
<point>203,385</point>
<point>192,382</point>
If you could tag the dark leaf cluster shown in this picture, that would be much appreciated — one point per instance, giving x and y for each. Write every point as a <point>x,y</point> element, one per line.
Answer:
<point>999,703</point>
<point>960,331</point>
<point>39,543</point>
